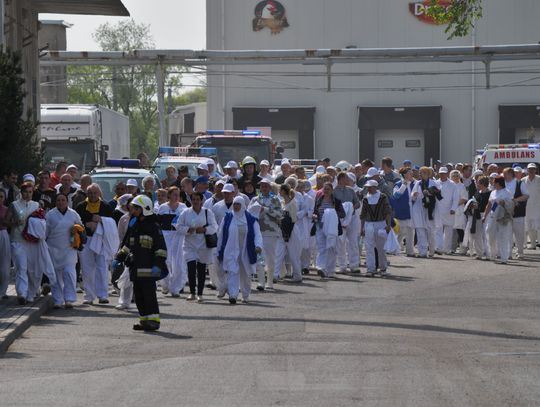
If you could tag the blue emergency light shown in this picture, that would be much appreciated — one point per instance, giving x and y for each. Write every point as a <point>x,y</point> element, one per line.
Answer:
<point>233,132</point>
<point>203,151</point>
<point>123,163</point>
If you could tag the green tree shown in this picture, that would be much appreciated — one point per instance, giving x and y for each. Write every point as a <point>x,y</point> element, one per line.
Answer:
<point>132,90</point>
<point>460,15</point>
<point>193,96</point>
<point>19,143</point>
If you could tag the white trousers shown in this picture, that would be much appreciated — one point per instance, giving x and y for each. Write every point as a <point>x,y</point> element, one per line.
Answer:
<point>518,230</point>
<point>309,252</point>
<point>426,240</point>
<point>239,280</point>
<point>476,240</point>
<point>24,256</point>
<point>289,252</point>
<point>274,254</point>
<point>374,241</point>
<point>95,274</point>
<point>445,235</point>
<point>406,232</point>
<point>177,278</point>
<point>5,261</point>
<point>348,249</point>
<point>499,235</point>
<point>66,279</point>
<point>327,255</point>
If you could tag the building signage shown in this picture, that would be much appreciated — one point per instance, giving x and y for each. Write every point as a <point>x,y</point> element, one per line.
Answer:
<point>270,14</point>
<point>386,144</point>
<point>419,9</point>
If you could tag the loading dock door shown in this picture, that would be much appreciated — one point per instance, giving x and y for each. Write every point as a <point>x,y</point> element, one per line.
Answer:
<point>288,139</point>
<point>400,145</point>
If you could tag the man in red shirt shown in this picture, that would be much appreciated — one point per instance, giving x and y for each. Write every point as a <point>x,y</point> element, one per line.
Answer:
<point>59,170</point>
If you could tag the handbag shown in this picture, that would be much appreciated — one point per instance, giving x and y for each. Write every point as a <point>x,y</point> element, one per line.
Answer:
<point>287,226</point>
<point>211,240</point>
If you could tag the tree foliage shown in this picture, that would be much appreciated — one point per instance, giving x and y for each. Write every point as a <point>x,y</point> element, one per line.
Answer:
<point>18,130</point>
<point>131,90</point>
<point>460,15</point>
<point>196,95</point>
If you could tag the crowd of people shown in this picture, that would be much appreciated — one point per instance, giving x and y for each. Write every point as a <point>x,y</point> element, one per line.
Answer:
<point>253,223</point>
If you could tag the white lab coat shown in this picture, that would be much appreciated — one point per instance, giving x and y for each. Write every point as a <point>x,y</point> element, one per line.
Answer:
<point>460,220</point>
<point>194,243</point>
<point>174,240</point>
<point>499,233</point>
<point>327,236</point>
<point>450,201</point>
<point>425,228</point>
<point>532,217</point>
<point>63,256</point>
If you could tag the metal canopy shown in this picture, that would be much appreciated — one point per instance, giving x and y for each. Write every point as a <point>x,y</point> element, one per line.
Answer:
<point>89,7</point>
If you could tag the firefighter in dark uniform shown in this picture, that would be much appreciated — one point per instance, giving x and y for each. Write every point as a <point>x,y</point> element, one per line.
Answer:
<point>144,253</point>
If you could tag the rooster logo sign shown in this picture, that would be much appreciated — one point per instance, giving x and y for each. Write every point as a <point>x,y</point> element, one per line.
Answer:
<point>270,14</point>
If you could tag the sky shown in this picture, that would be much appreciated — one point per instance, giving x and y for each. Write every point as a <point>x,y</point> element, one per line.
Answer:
<point>174,24</point>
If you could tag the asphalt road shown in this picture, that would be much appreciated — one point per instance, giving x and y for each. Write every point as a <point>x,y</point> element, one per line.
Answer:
<point>446,332</point>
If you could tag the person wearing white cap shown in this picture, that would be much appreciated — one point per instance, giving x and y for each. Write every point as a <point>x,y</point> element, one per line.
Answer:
<point>518,172</point>
<point>202,170</point>
<point>376,218</point>
<point>265,170</point>
<point>239,243</point>
<point>286,171</point>
<point>518,190</point>
<point>445,212</point>
<point>211,165</point>
<point>29,178</point>
<point>231,171</point>
<point>267,208</point>
<point>425,194</point>
<point>73,171</point>
<point>308,242</point>
<point>532,217</point>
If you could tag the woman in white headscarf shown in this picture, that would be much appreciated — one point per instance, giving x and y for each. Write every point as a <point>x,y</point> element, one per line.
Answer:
<point>239,243</point>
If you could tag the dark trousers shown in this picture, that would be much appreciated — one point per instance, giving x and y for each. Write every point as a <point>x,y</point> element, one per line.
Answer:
<point>145,297</point>
<point>196,276</point>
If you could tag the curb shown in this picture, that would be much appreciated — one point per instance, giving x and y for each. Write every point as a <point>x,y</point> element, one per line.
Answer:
<point>23,321</point>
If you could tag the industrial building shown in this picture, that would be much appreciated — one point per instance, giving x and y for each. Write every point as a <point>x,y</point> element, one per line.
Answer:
<point>418,111</point>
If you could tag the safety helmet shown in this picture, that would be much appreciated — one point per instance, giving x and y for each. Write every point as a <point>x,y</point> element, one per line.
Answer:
<point>343,165</point>
<point>142,201</point>
<point>248,160</point>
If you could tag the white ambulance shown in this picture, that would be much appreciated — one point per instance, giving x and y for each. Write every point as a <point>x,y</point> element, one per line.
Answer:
<point>506,155</point>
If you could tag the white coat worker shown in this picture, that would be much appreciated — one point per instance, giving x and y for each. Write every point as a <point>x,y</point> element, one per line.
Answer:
<point>376,219</point>
<point>499,230</point>
<point>532,217</point>
<point>94,265</point>
<point>460,220</point>
<point>298,238</point>
<point>168,214</point>
<point>220,209</point>
<point>239,243</point>
<point>327,213</point>
<point>60,231</point>
<point>267,208</point>
<point>445,212</point>
<point>424,197</point>
<point>309,243</point>
<point>345,193</point>
<point>194,223</point>
<point>520,195</point>
<point>402,204</point>
<point>124,283</point>
<point>5,249</point>
<point>292,242</point>
<point>23,253</point>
